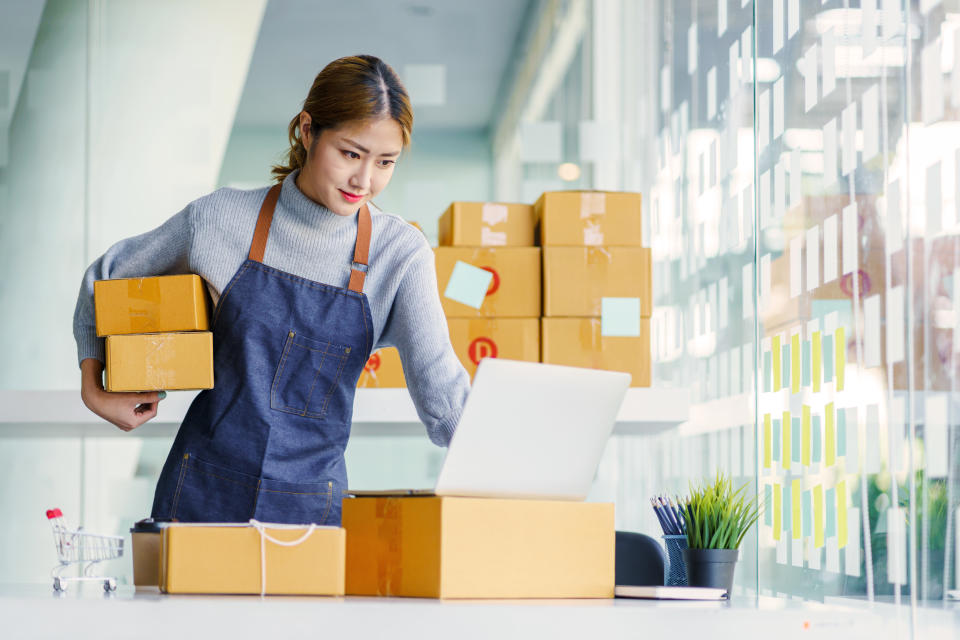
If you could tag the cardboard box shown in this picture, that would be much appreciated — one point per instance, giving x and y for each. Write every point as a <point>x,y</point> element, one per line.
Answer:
<point>589,218</point>
<point>487,224</point>
<point>159,361</point>
<point>476,338</point>
<point>225,558</point>
<point>514,291</point>
<point>383,371</point>
<point>150,305</point>
<point>576,279</point>
<point>577,342</point>
<point>443,547</point>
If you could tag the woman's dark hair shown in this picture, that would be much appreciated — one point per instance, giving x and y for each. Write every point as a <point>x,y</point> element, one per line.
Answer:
<point>348,90</point>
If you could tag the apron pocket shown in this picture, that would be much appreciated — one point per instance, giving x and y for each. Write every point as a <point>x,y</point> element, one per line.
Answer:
<point>298,502</point>
<point>307,376</point>
<point>210,493</point>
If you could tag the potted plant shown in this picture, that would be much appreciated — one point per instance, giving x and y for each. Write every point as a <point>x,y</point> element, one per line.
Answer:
<point>716,518</point>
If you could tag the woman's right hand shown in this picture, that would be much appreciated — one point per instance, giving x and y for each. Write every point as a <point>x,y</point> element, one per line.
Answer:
<point>127,411</point>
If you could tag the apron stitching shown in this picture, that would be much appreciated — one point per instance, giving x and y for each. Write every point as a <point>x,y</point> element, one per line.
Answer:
<point>176,495</point>
<point>227,292</point>
<point>283,363</point>
<point>214,475</point>
<point>343,291</point>
<point>333,386</point>
<point>313,385</point>
<point>298,493</point>
<point>326,511</point>
<point>256,498</point>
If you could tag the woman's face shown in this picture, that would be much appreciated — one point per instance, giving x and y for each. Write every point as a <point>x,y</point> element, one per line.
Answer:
<point>347,166</point>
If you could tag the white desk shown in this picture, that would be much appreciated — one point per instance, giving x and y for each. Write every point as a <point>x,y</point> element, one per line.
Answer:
<point>34,611</point>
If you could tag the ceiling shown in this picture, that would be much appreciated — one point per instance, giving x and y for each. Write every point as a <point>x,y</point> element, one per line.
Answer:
<point>474,39</point>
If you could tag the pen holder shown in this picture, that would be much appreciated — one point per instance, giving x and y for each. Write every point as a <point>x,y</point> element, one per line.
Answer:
<point>675,573</point>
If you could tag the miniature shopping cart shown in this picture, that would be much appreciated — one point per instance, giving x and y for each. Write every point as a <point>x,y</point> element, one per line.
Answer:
<point>78,547</point>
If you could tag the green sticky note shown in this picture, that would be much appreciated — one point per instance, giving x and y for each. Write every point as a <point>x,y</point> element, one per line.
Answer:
<point>767,505</point>
<point>776,447</point>
<point>830,436</point>
<point>795,363</point>
<point>795,494</point>
<point>842,514</point>
<point>842,432</point>
<point>767,372</point>
<point>805,422</point>
<point>807,514</point>
<point>831,503</point>
<point>775,349</point>
<point>817,440</point>
<point>786,440</point>
<point>785,365</point>
<point>468,284</point>
<point>620,317</point>
<point>806,363</point>
<point>795,432</point>
<point>815,348</point>
<point>766,440</point>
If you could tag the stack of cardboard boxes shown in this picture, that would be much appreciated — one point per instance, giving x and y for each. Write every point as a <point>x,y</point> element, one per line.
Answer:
<point>499,239</point>
<point>156,333</point>
<point>597,298</point>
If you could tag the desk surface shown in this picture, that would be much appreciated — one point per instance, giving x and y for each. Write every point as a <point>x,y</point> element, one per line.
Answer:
<point>33,610</point>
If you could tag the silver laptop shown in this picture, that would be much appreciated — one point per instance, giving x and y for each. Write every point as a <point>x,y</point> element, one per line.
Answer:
<point>529,430</point>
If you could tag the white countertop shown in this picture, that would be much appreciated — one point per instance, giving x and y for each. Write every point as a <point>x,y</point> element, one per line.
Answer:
<point>35,611</point>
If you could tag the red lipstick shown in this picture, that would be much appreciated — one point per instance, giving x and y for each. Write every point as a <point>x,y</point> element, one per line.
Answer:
<point>349,197</point>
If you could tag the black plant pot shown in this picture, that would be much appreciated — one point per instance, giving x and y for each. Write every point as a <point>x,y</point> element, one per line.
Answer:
<point>711,567</point>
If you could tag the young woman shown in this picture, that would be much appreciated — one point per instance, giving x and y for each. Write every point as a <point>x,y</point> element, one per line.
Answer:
<point>307,280</point>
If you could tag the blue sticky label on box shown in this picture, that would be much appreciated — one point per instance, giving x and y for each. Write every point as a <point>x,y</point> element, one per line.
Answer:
<point>468,284</point>
<point>620,317</point>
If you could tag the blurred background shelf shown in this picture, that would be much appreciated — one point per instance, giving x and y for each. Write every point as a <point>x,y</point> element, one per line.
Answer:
<point>61,413</point>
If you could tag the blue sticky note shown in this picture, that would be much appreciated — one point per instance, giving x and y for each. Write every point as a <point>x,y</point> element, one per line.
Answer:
<point>795,434</point>
<point>767,372</point>
<point>841,432</point>
<point>620,317</point>
<point>807,514</point>
<point>827,347</point>
<point>776,440</point>
<point>831,504</point>
<point>785,368</point>
<point>806,363</point>
<point>768,505</point>
<point>817,440</point>
<point>787,504</point>
<point>468,284</point>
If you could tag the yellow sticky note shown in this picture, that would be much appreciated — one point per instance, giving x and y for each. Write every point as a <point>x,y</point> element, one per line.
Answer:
<point>795,360</point>
<point>818,516</point>
<point>805,438</point>
<point>776,511</point>
<point>830,433</point>
<point>840,348</point>
<point>777,355</point>
<point>767,433</point>
<point>796,492</point>
<point>842,514</point>
<point>817,357</point>
<point>785,439</point>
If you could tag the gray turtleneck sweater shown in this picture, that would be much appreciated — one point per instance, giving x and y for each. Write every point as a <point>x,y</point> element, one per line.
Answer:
<point>211,237</point>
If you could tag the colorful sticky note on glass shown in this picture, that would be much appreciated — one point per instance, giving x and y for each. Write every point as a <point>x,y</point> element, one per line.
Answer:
<point>842,514</point>
<point>795,363</point>
<point>841,432</point>
<point>795,434</point>
<point>775,349</point>
<point>831,502</point>
<point>767,372</point>
<point>818,516</point>
<point>830,436</point>
<point>776,511</point>
<point>807,514</point>
<point>766,440</point>
<point>806,363</point>
<point>796,494</point>
<point>827,346</point>
<point>468,284</point>
<point>785,367</point>
<point>776,447</point>
<point>767,504</point>
<point>620,317</point>
<point>787,509</point>
<point>786,440</point>
<point>840,347</point>
<point>817,440</point>
<point>816,355</point>
<point>805,418</point>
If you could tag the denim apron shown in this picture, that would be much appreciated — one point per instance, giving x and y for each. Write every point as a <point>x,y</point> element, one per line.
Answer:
<point>267,441</point>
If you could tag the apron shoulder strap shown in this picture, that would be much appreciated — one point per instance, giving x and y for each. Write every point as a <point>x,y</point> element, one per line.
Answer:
<point>260,233</point>
<point>361,253</point>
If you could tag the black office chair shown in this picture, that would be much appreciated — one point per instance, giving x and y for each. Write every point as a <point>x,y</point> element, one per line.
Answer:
<point>640,560</point>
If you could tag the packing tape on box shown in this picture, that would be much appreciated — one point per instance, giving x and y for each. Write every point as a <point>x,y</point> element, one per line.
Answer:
<point>592,204</point>
<point>264,536</point>
<point>598,262</point>
<point>389,518</point>
<point>157,376</point>
<point>591,340</point>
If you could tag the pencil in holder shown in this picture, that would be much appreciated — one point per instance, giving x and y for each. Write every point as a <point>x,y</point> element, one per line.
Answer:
<point>675,573</point>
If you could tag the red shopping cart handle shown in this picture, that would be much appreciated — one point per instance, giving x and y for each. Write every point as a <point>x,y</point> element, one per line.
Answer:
<point>54,513</point>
